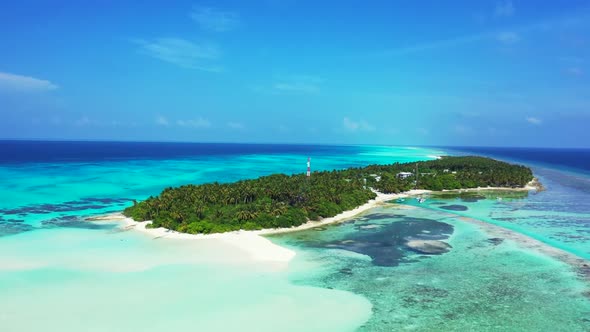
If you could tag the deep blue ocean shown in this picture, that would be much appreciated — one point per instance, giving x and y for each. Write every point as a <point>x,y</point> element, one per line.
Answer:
<point>94,151</point>
<point>88,151</point>
<point>572,159</point>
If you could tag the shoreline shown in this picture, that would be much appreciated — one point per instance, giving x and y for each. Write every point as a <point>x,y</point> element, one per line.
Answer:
<point>259,248</point>
<point>379,200</point>
<point>533,185</point>
<point>254,242</point>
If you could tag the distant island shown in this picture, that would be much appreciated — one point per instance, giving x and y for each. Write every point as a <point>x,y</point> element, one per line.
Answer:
<point>283,201</point>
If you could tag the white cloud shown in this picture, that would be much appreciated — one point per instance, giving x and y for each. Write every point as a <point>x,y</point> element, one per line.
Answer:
<point>534,120</point>
<point>354,126</point>
<point>235,125</point>
<point>505,37</point>
<point>194,123</point>
<point>215,20</point>
<point>508,37</point>
<point>504,9</point>
<point>182,53</point>
<point>162,121</point>
<point>542,26</point>
<point>24,83</point>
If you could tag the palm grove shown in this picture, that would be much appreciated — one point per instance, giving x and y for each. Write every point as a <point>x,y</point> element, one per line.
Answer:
<point>281,200</point>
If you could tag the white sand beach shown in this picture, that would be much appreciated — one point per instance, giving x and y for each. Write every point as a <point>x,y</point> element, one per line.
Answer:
<point>257,247</point>
<point>253,243</point>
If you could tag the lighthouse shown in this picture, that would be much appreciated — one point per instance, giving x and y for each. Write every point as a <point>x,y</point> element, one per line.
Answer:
<point>308,166</point>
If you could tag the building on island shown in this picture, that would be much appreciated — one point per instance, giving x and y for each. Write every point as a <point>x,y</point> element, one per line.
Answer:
<point>376,177</point>
<point>404,175</point>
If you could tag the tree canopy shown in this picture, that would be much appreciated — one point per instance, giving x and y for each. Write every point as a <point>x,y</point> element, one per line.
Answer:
<point>281,200</point>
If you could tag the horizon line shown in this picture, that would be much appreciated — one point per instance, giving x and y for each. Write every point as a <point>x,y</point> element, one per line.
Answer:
<point>287,143</point>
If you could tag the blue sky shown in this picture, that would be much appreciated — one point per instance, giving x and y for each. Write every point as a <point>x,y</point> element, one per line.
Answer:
<point>500,73</point>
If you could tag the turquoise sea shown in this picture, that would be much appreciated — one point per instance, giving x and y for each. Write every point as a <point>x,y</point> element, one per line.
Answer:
<point>61,273</point>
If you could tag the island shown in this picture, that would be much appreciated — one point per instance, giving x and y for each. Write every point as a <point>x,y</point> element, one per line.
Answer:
<point>285,201</point>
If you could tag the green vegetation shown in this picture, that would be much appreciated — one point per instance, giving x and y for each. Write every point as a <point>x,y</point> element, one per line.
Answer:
<point>284,201</point>
<point>452,173</point>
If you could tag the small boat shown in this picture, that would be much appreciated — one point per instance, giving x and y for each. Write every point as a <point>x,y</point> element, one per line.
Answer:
<point>422,200</point>
<point>400,200</point>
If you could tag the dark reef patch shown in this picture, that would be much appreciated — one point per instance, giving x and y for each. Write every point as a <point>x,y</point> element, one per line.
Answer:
<point>107,200</point>
<point>93,203</point>
<point>504,218</point>
<point>13,226</point>
<point>423,296</point>
<point>15,220</point>
<point>380,216</point>
<point>495,240</point>
<point>472,199</point>
<point>455,207</point>
<point>386,243</point>
<point>74,222</point>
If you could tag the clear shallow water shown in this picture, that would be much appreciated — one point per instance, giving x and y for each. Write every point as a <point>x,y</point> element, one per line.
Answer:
<point>559,216</point>
<point>482,284</point>
<point>33,193</point>
<point>58,273</point>
<point>82,280</point>
<point>563,224</point>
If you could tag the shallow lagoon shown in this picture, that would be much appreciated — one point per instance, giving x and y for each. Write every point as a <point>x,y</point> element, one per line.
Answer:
<point>97,280</point>
<point>58,272</point>
<point>482,284</point>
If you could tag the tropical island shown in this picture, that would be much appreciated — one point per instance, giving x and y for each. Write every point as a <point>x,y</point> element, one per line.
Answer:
<point>283,201</point>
